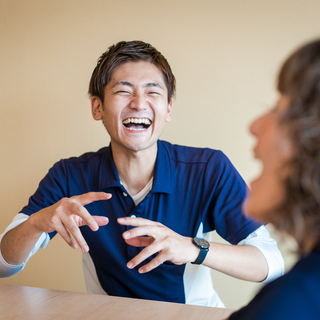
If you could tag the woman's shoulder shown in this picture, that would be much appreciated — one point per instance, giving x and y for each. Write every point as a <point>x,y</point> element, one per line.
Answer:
<point>291,296</point>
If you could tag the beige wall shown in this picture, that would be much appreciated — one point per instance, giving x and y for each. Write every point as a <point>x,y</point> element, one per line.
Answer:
<point>225,55</point>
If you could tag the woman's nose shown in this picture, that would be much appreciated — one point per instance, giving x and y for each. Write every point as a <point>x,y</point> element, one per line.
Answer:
<point>255,125</point>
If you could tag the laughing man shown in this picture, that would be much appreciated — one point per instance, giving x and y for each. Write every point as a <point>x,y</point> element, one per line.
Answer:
<point>142,209</point>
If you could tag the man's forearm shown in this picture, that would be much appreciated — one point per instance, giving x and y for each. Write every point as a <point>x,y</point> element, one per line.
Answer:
<point>18,242</point>
<point>243,262</point>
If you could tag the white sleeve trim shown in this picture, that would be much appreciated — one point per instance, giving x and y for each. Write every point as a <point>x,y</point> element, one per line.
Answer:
<point>261,239</point>
<point>8,270</point>
<point>197,280</point>
<point>90,275</point>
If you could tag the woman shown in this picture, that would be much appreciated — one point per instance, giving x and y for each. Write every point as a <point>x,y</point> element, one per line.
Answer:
<point>287,192</point>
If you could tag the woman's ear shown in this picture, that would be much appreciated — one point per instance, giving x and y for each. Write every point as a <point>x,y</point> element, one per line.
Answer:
<point>96,108</point>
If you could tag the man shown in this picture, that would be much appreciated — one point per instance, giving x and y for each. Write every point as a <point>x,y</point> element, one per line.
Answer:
<point>163,196</point>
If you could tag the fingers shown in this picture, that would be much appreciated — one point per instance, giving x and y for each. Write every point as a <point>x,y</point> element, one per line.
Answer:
<point>70,227</point>
<point>140,241</point>
<point>146,253</point>
<point>154,263</point>
<point>101,221</point>
<point>146,230</point>
<point>89,197</point>
<point>136,222</point>
<point>159,240</point>
<point>79,210</point>
<point>156,238</point>
<point>79,217</point>
<point>68,214</point>
<point>77,235</point>
<point>72,209</point>
<point>65,235</point>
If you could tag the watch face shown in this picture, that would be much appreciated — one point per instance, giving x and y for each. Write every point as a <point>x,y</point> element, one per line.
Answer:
<point>201,243</point>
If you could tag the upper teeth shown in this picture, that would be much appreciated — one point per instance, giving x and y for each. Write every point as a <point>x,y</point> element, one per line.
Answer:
<point>136,120</point>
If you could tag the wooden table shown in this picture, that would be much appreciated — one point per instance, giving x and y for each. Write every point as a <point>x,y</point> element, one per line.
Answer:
<point>17,302</point>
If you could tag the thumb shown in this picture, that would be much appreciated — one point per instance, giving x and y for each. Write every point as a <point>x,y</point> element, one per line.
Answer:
<point>101,221</point>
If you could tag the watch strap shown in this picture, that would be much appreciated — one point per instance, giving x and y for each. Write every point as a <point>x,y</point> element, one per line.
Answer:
<point>201,257</point>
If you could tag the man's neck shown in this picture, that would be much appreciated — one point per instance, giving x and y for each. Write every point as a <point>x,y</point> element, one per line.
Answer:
<point>135,168</point>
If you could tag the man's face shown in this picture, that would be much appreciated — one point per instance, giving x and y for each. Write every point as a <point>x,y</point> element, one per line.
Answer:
<point>135,106</point>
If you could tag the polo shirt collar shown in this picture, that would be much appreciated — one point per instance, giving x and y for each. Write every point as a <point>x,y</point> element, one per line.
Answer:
<point>109,177</point>
<point>163,175</point>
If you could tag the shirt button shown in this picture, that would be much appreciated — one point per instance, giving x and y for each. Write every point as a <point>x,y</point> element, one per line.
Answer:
<point>124,194</point>
<point>133,216</point>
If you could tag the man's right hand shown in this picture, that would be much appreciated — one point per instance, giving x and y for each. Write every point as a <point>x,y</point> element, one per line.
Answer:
<point>67,215</point>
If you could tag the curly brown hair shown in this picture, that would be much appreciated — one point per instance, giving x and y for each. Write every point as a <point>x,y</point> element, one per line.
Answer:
<point>128,51</point>
<point>299,213</point>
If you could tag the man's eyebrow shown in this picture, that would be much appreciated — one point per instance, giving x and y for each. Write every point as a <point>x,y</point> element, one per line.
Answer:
<point>129,84</point>
<point>124,83</point>
<point>153,84</point>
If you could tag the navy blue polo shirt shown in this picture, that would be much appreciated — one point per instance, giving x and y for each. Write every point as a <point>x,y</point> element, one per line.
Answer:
<point>190,186</point>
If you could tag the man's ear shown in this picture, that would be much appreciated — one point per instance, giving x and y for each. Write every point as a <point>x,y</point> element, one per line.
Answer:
<point>169,110</point>
<point>96,108</point>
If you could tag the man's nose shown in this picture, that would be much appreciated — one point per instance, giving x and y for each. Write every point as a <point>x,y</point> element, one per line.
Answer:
<point>139,102</point>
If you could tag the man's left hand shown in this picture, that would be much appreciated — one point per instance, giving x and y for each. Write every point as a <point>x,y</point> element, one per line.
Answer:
<point>169,245</point>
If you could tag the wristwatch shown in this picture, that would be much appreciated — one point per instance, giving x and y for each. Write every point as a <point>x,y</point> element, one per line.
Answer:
<point>204,245</point>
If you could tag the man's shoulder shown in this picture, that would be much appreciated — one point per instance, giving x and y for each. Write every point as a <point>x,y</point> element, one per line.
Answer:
<point>191,154</point>
<point>86,162</point>
<point>90,156</point>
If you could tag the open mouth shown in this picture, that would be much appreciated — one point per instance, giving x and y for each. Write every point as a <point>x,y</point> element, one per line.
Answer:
<point>138,124</point>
